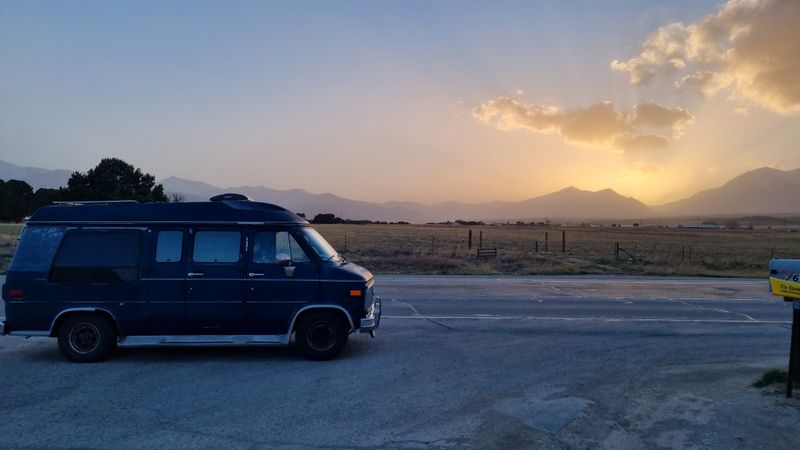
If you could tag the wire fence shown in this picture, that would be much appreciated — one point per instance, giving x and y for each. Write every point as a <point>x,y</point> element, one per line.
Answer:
<point>579,249</point>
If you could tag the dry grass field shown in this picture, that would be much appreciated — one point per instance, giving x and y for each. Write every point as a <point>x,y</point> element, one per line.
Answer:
<point>441,249</point>
<point>9,232</point>
<point>444,249</point>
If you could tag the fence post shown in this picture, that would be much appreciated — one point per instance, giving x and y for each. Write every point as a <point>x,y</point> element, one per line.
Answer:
<point>469,246</point>
<point>683,253</point>
<point>616,251</point>
<point>545,240</point>
<point>536,246</point>
<point>563,241</point>
<point>480,239</point>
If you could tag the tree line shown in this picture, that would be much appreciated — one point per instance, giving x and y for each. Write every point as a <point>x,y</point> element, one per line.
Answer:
<point>111,179</point>
<point>328,218</point>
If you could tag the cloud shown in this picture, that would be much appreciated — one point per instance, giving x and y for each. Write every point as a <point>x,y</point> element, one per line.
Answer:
<point>505,113</point>
<point>657,116</point>
<point>662,51</point>
<point>641,141</point>
<point>751,48</point>
<point>641,169</point>
<point>703,83</point>
<point>597,126</point>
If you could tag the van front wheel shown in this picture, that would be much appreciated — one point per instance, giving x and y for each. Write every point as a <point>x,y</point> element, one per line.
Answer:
<point>321,336</point>
<point>86,338</point>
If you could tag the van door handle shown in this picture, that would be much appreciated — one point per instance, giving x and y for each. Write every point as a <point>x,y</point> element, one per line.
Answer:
<point>255,274</point>
<point>194,274</point>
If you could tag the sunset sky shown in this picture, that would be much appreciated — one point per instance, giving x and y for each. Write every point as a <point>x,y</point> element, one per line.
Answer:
<point>405,100</point>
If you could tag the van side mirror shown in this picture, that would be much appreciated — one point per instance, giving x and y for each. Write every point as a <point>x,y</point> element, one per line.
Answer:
<point>284,261</point>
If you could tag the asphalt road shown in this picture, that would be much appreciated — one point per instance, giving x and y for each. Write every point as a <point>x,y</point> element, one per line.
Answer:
<point>459,362</point>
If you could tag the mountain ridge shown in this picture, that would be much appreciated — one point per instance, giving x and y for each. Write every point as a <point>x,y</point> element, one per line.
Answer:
<point>760,191</point>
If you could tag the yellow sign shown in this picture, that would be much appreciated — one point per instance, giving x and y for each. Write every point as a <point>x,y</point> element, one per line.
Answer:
<point>785,288</point>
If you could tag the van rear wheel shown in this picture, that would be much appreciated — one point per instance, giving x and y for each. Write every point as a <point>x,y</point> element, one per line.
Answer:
<point>321,336</point>
<point>86,338</point>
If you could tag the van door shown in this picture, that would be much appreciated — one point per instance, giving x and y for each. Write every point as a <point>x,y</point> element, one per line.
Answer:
<point>281,279</point>
<point>214,284</point>
<point>166,281</point>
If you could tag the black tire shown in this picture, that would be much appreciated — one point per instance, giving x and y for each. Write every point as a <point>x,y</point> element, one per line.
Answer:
<point>86,338</point>
<point>321,336</point>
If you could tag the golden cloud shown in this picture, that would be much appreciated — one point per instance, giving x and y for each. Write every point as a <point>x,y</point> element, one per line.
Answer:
<point>657,116</point>
<point>640,141</point>
<point>640,169</point>
<point>505,113</point>
<point>598,125</point>
<point>749,47</point>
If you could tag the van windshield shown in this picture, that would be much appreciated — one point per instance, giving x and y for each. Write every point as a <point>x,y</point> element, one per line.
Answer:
<point>325,251</point>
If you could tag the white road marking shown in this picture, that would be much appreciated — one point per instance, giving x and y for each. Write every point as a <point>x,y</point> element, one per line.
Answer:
<point>585,319</point>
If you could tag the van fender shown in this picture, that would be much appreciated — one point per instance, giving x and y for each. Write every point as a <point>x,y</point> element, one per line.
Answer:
<point>321,306</point>
<point>63,313</point>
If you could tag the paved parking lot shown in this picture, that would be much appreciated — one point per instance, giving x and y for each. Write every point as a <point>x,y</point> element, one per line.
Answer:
<point>459,362</point>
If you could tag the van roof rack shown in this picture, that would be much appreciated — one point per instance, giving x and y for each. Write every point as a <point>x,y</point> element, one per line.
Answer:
<point>92,202</point>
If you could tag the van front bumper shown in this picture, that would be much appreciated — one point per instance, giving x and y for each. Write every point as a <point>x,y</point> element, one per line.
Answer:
<point>372,321</point>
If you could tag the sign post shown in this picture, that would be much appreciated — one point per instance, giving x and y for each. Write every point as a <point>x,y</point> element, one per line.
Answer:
<point>784,281</point>
<point>794,351</point>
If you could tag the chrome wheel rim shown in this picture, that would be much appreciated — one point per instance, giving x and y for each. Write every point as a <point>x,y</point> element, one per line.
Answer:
<point>321,336</point>
<point>84,338</point>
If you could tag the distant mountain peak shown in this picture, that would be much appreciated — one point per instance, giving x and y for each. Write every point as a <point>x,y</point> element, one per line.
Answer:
<point>764,190</point>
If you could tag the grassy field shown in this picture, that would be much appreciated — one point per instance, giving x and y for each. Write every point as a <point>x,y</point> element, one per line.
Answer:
<point>9,232</point>
<point>521,250</point>
<point>438,249</point>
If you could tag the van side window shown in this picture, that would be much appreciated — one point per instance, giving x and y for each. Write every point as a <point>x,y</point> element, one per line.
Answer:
<point>169,245</point>
<point>97,257</point>
<point>36,248</point>
<point>216,246</point>
<point>270,247</point>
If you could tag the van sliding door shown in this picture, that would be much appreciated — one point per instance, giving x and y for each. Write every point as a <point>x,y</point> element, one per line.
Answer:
<point>166,282</point>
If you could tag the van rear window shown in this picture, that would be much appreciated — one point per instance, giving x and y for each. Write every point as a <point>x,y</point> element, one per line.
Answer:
<point>97,257</point>
<point>36,248</point>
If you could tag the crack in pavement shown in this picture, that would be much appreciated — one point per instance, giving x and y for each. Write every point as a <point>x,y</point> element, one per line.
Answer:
<point>418,315</point>
<point>703,308</point>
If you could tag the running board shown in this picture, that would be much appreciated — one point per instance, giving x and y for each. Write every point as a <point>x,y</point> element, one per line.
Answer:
<point>204,340</point>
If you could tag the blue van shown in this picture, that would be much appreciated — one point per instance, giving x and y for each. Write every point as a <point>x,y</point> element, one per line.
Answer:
<point>230,271</point>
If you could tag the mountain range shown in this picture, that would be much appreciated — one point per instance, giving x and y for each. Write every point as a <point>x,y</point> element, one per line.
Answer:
<point>34,176</point>
<point>760,191</point>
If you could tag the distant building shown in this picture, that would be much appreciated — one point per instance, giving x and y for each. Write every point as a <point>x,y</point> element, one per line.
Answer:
<point>700,226</point>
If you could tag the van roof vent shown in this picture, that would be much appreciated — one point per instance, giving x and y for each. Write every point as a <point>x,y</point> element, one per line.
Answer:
<point>229,196</point>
